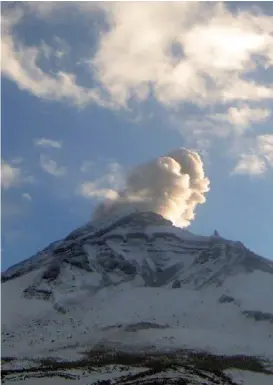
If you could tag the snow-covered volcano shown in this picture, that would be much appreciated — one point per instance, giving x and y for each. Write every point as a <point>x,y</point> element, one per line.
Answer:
<point>137,283</point>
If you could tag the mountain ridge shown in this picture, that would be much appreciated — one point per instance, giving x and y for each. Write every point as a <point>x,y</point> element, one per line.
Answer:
<point>138,281</point>
<point>138,222</point>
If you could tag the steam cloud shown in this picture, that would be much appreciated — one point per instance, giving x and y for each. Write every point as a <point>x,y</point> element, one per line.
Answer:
<point>170,185</point>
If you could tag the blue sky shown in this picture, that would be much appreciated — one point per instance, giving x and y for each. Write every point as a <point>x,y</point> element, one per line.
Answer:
<point>91,90</point>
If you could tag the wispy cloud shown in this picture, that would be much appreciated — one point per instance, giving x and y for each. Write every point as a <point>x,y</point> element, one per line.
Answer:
<point>10,176</point>
<point>265,148</point>
<point>13,174</point>
<point>251,164</point>
<point>258,159</point>
<point>91,190</point>
<point>86,166</point>
<point>17,161</point>
<point>20,64</point>
<point>27,196</point>
<point>51,167</point>
<point>43,142</point>
<point>242,117</point>
<point>106,186</point>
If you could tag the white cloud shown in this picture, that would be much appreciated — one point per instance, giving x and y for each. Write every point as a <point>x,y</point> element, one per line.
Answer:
<point>27,196</point>
<point>245,115</point>
<point>14,176</point>
<point>20,64</point>
<point>51,167</point>
<point>43,142</point>
<point>258,159</point>
<point>265,147</point>
<point>176,51</point>
<point>10,176</point>
<point>214,50</point>
<point>251,164</point>
<point>242,90</point>
<point>105,187</point>
<point>91,190</point>
<point>241,118</point>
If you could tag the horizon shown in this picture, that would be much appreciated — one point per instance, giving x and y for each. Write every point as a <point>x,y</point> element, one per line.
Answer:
<point>85,99</point>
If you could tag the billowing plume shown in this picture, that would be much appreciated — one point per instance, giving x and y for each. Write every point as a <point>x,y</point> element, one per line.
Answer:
<point>171,186</point>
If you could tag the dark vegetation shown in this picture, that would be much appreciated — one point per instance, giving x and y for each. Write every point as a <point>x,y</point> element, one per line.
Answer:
<point>207,366</point>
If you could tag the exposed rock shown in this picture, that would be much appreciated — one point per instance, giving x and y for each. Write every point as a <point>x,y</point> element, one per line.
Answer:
<point>52,272</point>
<point>176,284</point>
<point>226,299</point>
<point>143,326</point>
<point>258,315</point>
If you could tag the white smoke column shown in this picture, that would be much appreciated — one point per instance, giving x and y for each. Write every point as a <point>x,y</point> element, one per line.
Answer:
<point>171,186</point>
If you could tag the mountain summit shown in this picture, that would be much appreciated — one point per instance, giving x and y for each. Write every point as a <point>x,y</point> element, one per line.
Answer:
<point>136,283</point>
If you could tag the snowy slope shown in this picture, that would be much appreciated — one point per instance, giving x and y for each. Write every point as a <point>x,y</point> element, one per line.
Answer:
<point>136,283</point>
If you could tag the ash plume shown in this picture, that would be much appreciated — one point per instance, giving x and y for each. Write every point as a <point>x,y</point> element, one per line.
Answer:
<point>171,185</point>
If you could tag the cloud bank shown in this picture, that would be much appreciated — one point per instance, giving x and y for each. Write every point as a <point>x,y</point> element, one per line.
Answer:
<point>175,51</point>
<point>184,51</point>
<point>171,185</point>
<point>215,57</point>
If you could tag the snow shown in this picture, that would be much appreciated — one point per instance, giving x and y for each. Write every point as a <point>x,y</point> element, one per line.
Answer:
<point>195,320</point>
<point>90,250</point>
<point>80,377</point>
<point>244,377</point>
<point>253,296</point>
<point>178,231</point>
<point>94,303</point>
<point>86,377</point>
<point>47,381</point>
<point>14,305</point>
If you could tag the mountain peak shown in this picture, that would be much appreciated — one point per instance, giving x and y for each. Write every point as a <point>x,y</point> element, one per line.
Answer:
<point>109,281</point>
<point>143,219</point>
<point>216,234</point>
